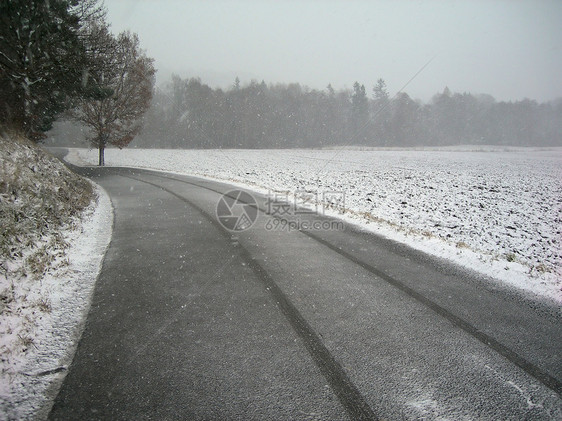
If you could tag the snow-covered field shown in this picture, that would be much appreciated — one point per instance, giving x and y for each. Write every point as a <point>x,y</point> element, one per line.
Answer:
<point>498,211</point>
<point>48,314</point>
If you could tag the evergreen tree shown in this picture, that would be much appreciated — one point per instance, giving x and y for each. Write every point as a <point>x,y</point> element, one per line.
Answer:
<point>42,61</point>
<point>359,113</point>
<point>381,113</point>
<point>380,93</point>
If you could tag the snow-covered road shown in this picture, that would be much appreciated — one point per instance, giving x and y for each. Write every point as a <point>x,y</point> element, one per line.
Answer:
<point>191,320</point>
<point>497,211</point>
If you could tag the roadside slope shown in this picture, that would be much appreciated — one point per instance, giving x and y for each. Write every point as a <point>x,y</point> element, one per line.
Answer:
<point>55,228</point>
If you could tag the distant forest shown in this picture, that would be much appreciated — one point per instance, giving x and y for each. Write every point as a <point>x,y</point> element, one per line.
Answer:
<point>189,114</point>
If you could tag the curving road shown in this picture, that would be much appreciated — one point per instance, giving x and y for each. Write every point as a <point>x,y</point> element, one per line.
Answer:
<point>192,321</point>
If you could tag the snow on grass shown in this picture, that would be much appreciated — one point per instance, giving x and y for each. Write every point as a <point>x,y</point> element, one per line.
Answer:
<point>32,376</point>
<point>495,210</point>
<point>53,240</point>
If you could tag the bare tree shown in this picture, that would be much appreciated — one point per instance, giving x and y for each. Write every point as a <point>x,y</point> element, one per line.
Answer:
<point>123,80</point>
<point>88,11</point>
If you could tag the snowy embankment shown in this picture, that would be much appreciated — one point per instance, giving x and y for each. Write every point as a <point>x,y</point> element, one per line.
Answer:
<point>56,228</point>
<point>495,210</point>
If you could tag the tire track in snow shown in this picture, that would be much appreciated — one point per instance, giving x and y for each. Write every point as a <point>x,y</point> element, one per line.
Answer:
<point>543,377</point>
<point>349,396</point>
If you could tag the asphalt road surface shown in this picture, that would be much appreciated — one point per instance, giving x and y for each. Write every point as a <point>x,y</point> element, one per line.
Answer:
<point>190,320</point>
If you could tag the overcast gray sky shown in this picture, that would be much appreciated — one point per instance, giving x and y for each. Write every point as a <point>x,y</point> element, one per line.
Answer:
<point>509,49</point>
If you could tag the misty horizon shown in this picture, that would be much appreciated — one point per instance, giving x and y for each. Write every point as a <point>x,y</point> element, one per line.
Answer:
<point>509,50</point>
<point>222,81</point>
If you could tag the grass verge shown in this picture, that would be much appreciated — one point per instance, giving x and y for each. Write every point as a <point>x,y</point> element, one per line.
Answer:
<point>40,201</point>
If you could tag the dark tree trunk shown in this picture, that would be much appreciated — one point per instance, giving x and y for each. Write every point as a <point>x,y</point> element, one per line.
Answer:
<point>101,161</point>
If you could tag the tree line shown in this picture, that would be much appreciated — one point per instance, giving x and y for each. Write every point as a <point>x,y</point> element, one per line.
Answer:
<point>59,56</point>
<point>187,113</point>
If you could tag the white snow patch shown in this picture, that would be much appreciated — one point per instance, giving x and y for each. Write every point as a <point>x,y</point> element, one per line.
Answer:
<point>29,381</point>
<point>497,211</point>
<point>426,408</point>
<point>521,391</point>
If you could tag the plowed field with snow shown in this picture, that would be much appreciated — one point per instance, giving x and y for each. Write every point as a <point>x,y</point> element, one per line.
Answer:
<point>498,211</point>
